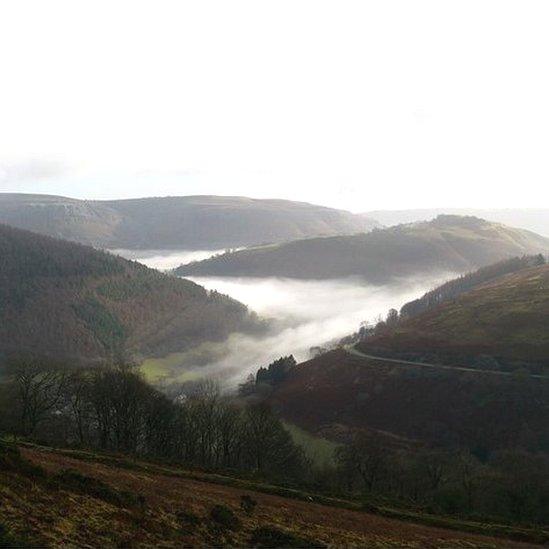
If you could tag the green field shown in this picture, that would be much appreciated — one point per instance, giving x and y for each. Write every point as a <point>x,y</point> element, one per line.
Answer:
<point>183,366</point>
<point>319,450</point>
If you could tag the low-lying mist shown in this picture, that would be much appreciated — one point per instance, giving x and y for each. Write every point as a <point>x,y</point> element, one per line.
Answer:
<point>165,259</point>
<point>304,314</point>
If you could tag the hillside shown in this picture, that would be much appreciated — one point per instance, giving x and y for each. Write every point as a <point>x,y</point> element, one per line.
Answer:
<point>469,281</point>
<point>532,219</point>
<point>57,498</point>
<point>184,223</point>
<point>469,371</point>
<point>338,393</point>
<point>501,323</point>
<point>64,300</point>
<point>446,244</point>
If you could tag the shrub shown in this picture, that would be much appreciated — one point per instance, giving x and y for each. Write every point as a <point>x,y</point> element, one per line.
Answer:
<point>10,457</point>
<point>7,539</point>
<point>188,518</point>
<point>12,460</point>
<point>224,517</point>
<point>248,504</point>
<point>71,480</point>
<point>267,536</point>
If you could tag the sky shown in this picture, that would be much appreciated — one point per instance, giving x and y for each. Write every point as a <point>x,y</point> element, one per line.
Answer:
<point>353,104</point>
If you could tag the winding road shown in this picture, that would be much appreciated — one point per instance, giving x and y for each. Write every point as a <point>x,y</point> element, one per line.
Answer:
<point>352,351</point>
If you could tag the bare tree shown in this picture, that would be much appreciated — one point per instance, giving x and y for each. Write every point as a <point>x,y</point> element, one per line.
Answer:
<point>39,390</point>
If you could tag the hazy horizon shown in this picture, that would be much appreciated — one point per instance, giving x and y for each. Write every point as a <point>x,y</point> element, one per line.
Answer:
<point>353,105</point>
<point>356,210</point>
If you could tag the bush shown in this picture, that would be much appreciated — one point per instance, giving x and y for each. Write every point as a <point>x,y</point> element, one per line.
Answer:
<point>10,457</point>
<point>248,504</point>
<point>450,500</point>
<point>7,539</point>
<point>71,480</point>
<point>188,518</point>
<point>267,536</point>
<point>224,517</point>
<point>12,460</point>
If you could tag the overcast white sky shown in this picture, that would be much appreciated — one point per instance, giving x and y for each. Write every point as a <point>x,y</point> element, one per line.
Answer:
<point>360,105</point>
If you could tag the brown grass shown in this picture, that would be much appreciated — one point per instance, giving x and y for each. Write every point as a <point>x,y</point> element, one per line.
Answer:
<point>61,517</point>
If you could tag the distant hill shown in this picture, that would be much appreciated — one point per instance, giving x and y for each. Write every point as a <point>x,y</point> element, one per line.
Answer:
<point>184,223</point>
<point>499,324</point>
<point>532,219</point>
<point>64,300</point>
<point>448,243</point>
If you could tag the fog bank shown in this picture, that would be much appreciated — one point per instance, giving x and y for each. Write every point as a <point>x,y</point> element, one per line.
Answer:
<point>305,313</point>
<point>165,259</point>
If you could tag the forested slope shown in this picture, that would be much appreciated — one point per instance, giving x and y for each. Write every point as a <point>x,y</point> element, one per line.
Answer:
<point>64,300</point>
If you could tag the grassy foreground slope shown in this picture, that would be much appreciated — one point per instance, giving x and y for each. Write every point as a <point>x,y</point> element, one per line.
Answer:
<point>448,243</point>
<point>184,222</point>
<point>55,498</point>
<point>67,301</point>
<point>504,320</point>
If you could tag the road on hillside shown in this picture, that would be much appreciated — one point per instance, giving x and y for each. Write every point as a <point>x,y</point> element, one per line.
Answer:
<point>355,352</point>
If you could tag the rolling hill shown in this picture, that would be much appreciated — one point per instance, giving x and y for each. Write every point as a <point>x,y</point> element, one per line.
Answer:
<point>502,322</point>
<point>68,301</point>
<point>184,223</point>
<point>469,372</point>
<point>446,244</point>
<point>532,219</point>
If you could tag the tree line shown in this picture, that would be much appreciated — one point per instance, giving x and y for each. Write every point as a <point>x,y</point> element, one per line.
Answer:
<point>112,408</point>
<point>510,486</point>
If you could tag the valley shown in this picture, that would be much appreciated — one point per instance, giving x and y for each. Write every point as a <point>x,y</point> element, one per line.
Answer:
<point>401,398</point>
<point>304,316</point>
<point>274,275</point>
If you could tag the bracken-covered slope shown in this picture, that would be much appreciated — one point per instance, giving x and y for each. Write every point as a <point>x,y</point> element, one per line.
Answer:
<point>469,281</point>
<point>448,243</point>
<point>502,322</point>
<point>60,498</point>
<point>186,222</point>
<point>64,300</point>
<point>338,393</point>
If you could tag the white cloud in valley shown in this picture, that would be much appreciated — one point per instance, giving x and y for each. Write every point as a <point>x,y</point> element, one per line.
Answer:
<point>304,314</point>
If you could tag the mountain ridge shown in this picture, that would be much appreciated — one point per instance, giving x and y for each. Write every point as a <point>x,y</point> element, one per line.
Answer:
<point>445,244</point>
<point>176,222</point>
<point>532,219</point>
